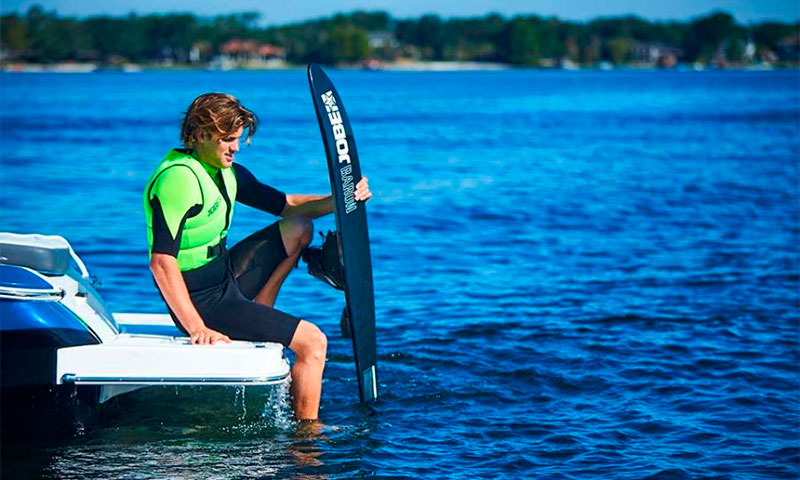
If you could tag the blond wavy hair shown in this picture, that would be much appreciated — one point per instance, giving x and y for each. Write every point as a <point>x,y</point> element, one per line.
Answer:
<point>215,116</point>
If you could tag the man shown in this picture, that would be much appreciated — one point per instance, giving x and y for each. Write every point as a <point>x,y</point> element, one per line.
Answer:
<point>214,294</point>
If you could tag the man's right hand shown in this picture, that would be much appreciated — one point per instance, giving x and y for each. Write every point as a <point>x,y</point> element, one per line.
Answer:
<point>206,336</point>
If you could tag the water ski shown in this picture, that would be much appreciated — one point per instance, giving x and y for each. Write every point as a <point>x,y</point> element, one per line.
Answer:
<point>351,223</point>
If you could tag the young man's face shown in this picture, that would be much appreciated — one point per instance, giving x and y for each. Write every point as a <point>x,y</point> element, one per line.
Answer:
<point>219,153</point>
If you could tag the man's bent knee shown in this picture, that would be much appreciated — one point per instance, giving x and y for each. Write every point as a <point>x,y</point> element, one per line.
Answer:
<point>309,342</point>
<point>296,233</point>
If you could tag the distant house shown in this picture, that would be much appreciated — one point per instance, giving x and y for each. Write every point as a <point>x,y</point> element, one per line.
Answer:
<point>767,56</point>
<point>381,39</point>
<point>268,52</point>
<point>656,54</point>
<point>244,51</point>
<point>201,50</point>
<point>239,50</point>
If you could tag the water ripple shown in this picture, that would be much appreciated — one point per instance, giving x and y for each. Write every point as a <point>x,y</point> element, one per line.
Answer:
<point>596,277</point>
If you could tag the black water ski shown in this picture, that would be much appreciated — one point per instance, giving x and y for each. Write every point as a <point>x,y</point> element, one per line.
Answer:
<point>351,222</point>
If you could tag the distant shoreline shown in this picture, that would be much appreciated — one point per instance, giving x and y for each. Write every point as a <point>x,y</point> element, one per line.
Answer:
<point>87,67</point>
<point>405,66</point>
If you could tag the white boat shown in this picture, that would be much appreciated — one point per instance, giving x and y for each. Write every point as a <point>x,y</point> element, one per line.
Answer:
<point>59,341</point>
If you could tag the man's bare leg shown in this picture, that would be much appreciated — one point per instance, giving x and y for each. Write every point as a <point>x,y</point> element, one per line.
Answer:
<point>296,234</point>
<point>310,346</point>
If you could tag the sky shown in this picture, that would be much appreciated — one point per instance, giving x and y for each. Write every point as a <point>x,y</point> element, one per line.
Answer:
<point>281,12</point>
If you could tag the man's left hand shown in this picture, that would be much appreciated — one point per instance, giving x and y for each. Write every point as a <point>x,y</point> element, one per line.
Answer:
<point>362,192</point>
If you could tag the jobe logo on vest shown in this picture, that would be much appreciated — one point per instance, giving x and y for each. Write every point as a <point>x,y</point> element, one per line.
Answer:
<point>213,208</point>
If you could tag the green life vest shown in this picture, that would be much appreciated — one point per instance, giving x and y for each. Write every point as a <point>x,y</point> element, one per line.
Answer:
<point>192,185</point>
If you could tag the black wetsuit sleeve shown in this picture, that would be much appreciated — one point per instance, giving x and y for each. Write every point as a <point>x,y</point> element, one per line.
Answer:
<point>174,197</point>
<point>255,194</point>
<point>163,242</point>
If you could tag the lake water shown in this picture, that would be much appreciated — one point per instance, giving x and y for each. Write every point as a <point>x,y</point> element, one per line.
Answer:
<point>577,274</point>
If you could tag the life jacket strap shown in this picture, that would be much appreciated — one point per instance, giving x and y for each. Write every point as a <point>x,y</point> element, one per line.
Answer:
<point>217,249</point>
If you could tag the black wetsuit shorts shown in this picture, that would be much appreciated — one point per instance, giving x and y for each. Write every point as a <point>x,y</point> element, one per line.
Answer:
<point>223,290</point>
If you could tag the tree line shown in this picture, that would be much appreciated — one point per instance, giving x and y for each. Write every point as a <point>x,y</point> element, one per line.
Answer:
<point>40,36</point>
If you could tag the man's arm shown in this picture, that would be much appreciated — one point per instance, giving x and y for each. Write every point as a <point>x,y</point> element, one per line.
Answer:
<point>313,206</point>
<point>253,193</point>
<point>170,281</point>
<point>309,206</point>
<point>180,192</point>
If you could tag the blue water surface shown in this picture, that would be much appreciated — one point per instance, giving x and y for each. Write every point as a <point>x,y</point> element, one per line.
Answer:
<point>577,274</point>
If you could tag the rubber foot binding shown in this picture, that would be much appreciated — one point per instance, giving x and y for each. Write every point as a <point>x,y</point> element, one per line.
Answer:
<point>324,263</point>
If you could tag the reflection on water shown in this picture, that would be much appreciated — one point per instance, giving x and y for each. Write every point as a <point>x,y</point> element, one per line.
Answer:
<point>186,432</point>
